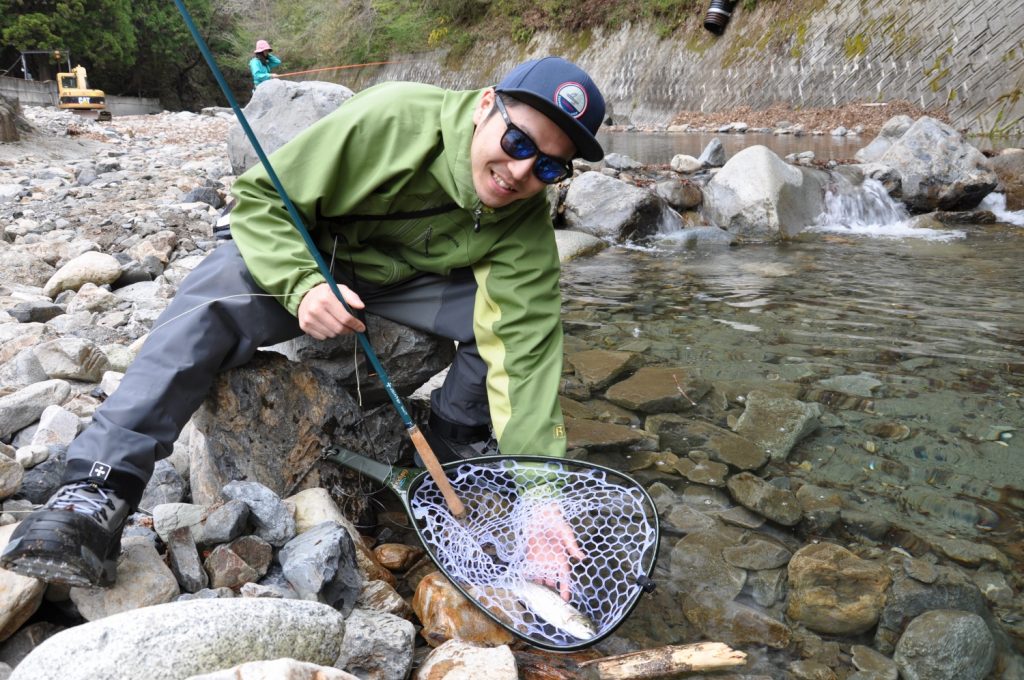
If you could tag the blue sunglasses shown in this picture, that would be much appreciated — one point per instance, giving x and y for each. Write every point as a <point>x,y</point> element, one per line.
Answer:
<point>518,145</point>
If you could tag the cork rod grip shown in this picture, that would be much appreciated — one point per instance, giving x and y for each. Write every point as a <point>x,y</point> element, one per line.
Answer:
<point>437,472</point>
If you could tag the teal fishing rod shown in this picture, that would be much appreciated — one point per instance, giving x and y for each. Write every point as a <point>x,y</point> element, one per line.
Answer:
<point>418,440</point>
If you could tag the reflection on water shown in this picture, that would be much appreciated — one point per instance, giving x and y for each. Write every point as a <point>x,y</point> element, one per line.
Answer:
<point>933,330</point>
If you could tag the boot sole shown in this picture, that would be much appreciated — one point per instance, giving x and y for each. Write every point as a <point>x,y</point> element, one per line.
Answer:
<point>49,549</point>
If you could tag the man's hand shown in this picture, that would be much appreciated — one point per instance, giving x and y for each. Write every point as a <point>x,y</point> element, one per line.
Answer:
<point>549,545</point>
<point>322,316</point>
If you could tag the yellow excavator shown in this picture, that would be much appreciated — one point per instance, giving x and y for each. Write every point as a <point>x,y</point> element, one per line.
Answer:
<point>73,93</point>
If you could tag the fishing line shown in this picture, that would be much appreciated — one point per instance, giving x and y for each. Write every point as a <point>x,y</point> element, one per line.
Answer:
<point>210,302</point>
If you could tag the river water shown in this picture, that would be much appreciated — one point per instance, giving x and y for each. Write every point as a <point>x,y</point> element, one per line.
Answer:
<point>927,325</point>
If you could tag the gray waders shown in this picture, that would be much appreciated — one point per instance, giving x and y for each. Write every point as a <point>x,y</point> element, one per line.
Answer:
<point>217,321</point>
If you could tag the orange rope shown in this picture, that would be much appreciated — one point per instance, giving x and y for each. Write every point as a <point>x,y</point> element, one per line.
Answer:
<point>335,68</point>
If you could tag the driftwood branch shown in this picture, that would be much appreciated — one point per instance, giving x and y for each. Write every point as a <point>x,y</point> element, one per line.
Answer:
<point>648,664</point>
<point>663,661</point>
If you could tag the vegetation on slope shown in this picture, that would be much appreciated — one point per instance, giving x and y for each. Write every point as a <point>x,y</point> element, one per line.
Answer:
<point>142,47</point>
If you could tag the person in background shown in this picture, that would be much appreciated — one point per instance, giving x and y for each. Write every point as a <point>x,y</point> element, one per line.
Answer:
<point>434,202</point>
<point>263,63</point>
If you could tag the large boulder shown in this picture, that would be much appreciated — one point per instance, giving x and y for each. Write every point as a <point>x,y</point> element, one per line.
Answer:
<point>279,110</point>
<point>758,196</point>
<point>179,639</point>
<point>611,209</point>
<point>938,169</point>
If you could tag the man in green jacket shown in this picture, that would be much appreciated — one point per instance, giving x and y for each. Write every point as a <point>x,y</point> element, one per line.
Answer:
<point>430,206</point>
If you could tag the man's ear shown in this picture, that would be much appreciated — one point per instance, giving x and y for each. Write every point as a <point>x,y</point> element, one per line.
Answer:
<point>484,106</point>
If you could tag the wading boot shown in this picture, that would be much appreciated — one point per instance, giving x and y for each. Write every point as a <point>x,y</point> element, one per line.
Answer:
<point>451,442</point>
<point>74,539</point>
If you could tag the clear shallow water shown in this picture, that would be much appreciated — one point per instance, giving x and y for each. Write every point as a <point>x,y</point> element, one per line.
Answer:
<point>936,318</point>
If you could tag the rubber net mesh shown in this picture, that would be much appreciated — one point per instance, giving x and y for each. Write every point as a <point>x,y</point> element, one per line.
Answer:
<point>516,511</point>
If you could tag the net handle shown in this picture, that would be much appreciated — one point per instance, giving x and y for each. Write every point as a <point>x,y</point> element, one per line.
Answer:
<point>451,499</point>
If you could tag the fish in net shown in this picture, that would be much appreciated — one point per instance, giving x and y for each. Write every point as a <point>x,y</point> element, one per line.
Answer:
<point>514,510</point>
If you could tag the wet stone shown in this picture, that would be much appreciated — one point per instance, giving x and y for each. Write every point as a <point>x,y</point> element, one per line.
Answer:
<point>686,520</point>
<point>757,553</point>
<point>702,471</point>
<point>734,623</point>
<point>776,424</point>
<point>865,524</point>
<point>767,586</point>
<point>697,565</point>
<point>920,570</point>
<point>659,390</point>
<point>811,670</point>
<point>739,516</point>
<point>597,436</point>
<point>682,435</point>
<point>599,368</point>
<point>877,664</point>
<point>752,492</point>
<point>833,591</point>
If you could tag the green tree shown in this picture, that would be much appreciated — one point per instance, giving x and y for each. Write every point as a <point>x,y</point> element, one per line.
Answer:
<point>98,33</point>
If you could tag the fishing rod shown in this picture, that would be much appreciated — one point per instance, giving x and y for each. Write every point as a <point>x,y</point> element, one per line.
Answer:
<point>419,441</point>
<point>337,68</point>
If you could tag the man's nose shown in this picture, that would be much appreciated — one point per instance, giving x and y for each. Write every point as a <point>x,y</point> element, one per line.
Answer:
<point>521,169</point>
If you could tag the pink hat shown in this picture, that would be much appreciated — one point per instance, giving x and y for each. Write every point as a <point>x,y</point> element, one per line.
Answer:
<point>262,46</point>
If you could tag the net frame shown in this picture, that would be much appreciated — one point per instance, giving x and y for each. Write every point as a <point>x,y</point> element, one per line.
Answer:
<point>488,588</point>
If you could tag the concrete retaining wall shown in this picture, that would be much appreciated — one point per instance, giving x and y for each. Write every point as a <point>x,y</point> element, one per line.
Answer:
<point>36,93</point>
<point>965,55</point>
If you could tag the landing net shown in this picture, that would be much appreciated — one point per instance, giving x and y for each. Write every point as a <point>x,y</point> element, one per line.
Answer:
<point>517,511</point>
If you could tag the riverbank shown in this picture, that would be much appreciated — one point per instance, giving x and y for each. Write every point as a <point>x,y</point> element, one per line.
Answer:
<point>868,117</point>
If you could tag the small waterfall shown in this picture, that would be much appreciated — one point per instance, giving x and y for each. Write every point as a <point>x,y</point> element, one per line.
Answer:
<point>868,210</point>
<point>866,206</point>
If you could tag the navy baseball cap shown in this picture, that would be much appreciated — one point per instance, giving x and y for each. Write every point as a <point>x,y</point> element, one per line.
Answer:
<point>563,92</point>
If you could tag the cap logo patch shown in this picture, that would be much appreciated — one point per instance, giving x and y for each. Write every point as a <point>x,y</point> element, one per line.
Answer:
<point>571,98</point>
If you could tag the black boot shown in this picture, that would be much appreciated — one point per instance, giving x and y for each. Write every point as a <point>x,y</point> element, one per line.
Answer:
<point>74,539</point>
<point>451,442</point>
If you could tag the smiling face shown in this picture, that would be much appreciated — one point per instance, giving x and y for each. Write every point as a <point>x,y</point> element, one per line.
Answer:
<point>498,178</point>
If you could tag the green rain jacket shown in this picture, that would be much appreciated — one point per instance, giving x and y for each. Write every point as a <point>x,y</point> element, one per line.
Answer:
<point>404,148</point>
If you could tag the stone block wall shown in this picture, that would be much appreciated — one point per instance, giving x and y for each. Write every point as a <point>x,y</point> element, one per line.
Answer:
<point>44,93</point>
<point>967,56</point>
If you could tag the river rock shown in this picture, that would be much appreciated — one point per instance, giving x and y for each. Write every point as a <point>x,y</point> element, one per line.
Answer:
<point>143,579</point>
<point>938,169</point>
<point>458,660</point>
<point>279,110</point>
<point>91,267</point>
<point>776,424</point>
<point>609,208</point>
<point>758,196</point>
<point>23,407</point>
<point>683,435</point>
<point>179,639</point>
<point>758,495</point>
<point>599,368</point>
<point>659,389</point>
<point>278,669</point>
<point>835,592</point>
<point>1009,168</point>
<point>446,614</point>
<point>574,244</point>
<point>945,644</point>
<point>594,435</point>
<point>20,596</point>
<point>377,646</point>
<point>891,130</point>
